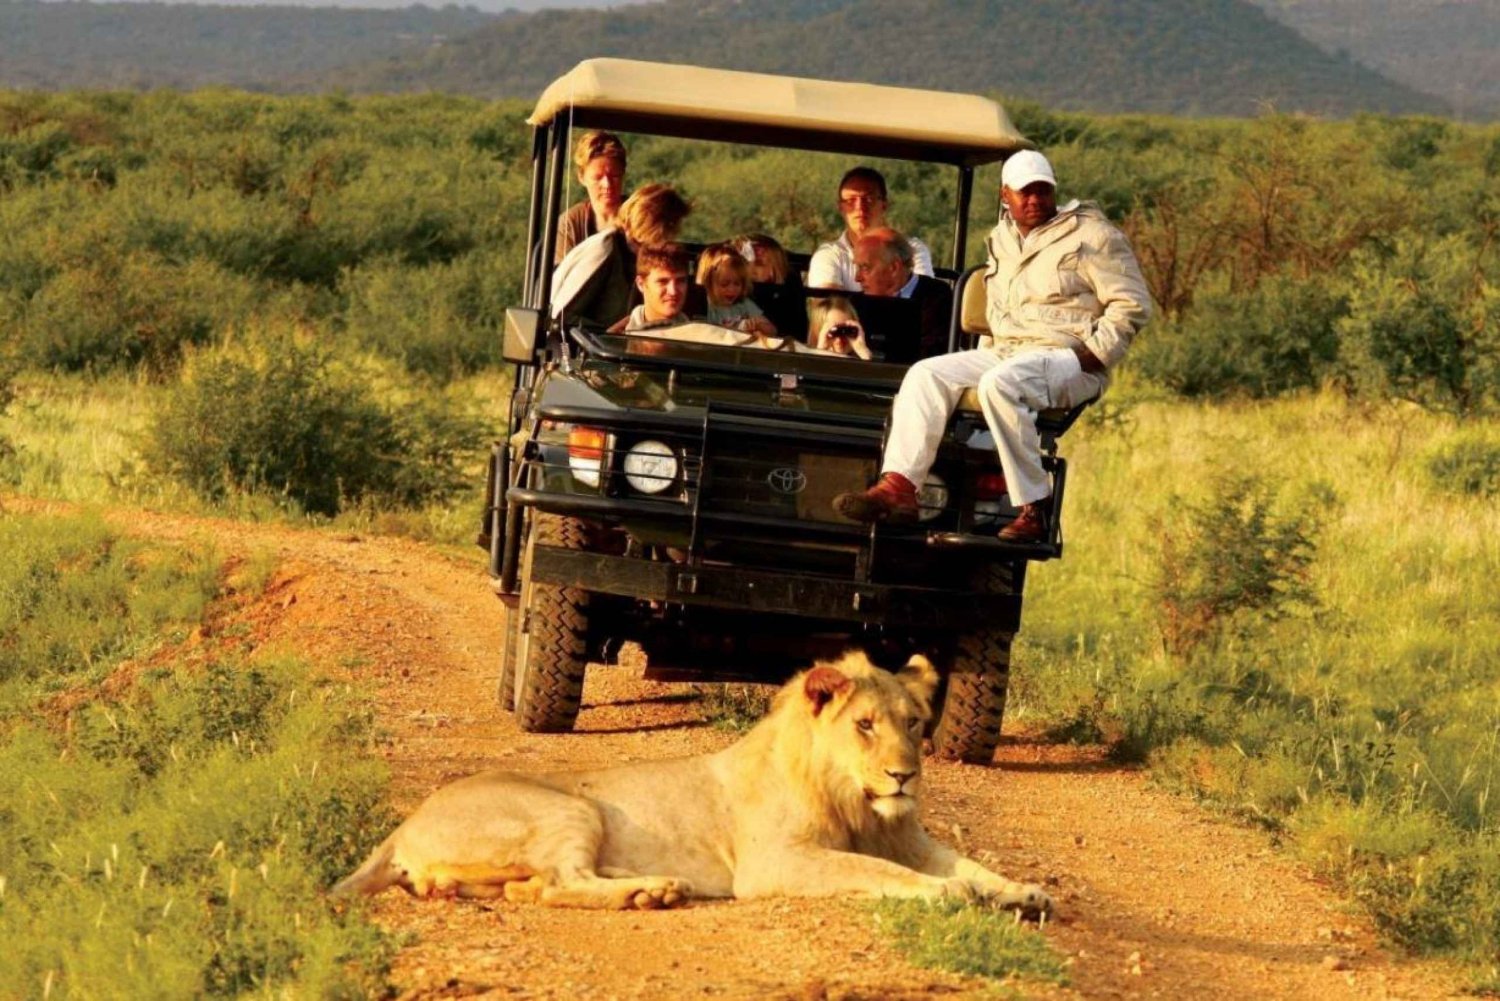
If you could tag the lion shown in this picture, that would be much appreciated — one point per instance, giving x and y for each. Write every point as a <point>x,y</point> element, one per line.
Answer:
<point>820,798</point>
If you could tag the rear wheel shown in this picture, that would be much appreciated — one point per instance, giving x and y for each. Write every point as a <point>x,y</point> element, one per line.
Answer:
<point>972,705</point>
<point>551,641</point>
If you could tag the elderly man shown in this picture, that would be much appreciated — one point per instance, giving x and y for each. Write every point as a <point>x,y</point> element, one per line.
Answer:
<point>884,267</point>
<point>1065,296</point>
<point>862,203</point>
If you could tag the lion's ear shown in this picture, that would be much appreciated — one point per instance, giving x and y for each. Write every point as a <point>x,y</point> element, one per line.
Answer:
<point>920,678</point>
<point>821,685</point>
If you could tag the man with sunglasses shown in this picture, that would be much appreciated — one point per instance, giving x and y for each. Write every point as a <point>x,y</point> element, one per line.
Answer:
<point>862,203</point>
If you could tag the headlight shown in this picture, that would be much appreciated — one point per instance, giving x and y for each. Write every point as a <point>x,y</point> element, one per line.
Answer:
<point>932,499</point>
<point>650,466</point>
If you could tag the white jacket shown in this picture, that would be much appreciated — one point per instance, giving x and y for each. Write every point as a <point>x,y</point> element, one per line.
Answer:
<point>1073,280</point>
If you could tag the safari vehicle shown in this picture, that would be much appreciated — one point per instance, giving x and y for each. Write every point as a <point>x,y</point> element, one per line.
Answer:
<point>675,488</point>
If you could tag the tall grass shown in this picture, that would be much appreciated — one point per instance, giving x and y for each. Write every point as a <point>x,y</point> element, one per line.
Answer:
<point>171,841</point>
<point>1362,722</point>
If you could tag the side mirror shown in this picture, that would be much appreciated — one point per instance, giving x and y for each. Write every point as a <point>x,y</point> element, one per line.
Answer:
<point>521,328</point>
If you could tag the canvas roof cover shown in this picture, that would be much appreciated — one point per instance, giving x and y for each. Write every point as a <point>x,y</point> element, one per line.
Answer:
<point>732,106</point>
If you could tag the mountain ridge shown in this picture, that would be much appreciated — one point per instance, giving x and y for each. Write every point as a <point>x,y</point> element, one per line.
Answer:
<point>1193,57</point>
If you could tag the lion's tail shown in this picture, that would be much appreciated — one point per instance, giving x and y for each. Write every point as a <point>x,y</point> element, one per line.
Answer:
<point>377,873</point>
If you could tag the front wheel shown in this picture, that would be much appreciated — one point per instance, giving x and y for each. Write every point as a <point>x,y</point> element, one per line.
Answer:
<point>551,645</point>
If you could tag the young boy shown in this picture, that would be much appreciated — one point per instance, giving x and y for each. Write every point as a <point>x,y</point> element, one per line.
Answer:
<point>661,274</point>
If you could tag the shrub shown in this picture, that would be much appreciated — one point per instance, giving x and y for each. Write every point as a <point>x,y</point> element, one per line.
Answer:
<point>280,414</point>
<point>1233,556</point>
<point>134,309</point>
<point>441,320</point>
<point>1424,325</point>
<point>1277,337</point>
<point>1467,463</point>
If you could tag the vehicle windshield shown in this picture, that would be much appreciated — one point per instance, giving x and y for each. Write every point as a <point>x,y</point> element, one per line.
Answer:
<point>659,347</point>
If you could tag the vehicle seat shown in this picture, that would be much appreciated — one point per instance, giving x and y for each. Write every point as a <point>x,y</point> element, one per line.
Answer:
<point>974,330</point>
<point>973,323</point>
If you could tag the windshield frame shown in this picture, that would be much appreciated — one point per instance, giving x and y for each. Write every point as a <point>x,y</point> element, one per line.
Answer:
<point>809,368</point>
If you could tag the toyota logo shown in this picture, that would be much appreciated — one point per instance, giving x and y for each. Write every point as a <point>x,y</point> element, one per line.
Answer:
<point>787,480</point>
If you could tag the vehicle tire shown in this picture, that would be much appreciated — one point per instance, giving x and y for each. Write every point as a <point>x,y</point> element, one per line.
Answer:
<point>551,651</point>
<point>972,701</point>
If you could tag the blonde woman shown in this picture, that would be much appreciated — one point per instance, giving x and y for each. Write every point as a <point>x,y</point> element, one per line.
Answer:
<point>595,283</point>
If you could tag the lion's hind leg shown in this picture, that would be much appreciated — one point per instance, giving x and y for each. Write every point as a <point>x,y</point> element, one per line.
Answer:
<point>587,890</point>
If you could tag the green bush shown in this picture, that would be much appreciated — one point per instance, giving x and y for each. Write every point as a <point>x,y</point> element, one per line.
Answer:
<point>1467,463</point>
<point>131,310</point>
<point>1424,325</point>
<point>1229,558</point>
<point>1277,337</point>
<point>281,415</point>
<point>440,320</point>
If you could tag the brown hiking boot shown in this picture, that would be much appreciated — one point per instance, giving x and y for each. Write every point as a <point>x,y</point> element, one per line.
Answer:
<point>1030,525</point>
<point>894,498</point>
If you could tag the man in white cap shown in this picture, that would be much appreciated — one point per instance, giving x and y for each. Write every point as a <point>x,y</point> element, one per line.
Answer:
<point>1064,298</point>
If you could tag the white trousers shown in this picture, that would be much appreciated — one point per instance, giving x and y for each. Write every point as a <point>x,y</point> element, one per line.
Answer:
<point>1012,388</point>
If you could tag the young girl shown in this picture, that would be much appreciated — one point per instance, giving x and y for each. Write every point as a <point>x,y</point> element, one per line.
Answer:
<point>833,325</point>
<point>725,277</point>
<point>767,258</point>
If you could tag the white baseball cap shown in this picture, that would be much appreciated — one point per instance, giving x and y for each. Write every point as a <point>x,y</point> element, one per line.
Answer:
<point>1026,167</point>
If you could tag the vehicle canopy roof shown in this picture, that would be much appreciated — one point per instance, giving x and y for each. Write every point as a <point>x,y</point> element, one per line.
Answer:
<point>732,106</point>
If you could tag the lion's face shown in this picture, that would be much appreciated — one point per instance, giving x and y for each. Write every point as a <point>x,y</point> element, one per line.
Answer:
<point>868,730</point>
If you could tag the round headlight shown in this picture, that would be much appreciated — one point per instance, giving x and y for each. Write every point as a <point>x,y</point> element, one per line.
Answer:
<point>650,466</point>
<point>932,499</point>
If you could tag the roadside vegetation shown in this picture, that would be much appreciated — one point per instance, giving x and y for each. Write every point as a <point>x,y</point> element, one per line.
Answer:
<point>1281,531</point>
<point>171,837</point>
<point>950,936</point>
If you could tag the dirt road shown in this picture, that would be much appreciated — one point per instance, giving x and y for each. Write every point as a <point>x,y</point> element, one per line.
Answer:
<point>1156,898</point>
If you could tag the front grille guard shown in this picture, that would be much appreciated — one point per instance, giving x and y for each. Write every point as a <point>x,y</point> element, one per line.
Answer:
<point>698,451</point>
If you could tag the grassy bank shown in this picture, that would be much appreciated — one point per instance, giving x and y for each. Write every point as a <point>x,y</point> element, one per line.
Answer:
<point>1351,707</point>
<point>172,839</point>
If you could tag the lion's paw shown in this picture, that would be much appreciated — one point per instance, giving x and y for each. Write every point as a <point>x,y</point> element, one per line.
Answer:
<point>1029,901</point>
<point>659,892</point>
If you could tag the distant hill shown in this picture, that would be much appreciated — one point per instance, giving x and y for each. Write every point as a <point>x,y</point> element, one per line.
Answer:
<point>1450,48</point>
<point>58,46</point>
<point>1219,57</point>
<point>1197,57</point>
